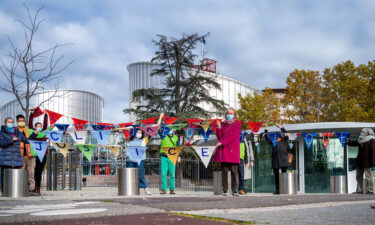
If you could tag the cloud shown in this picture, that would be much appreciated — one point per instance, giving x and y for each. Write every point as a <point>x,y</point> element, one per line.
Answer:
<point>256,42</point>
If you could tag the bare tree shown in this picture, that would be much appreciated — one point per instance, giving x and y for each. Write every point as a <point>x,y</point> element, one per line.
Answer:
<point>27,72</point>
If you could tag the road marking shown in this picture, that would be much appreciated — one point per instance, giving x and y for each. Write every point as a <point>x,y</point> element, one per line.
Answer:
<point>67,212</point>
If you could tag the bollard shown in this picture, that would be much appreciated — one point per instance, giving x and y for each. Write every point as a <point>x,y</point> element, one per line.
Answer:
<point>218,184</point>
<point>128,181</point>
<point>288,183</point>
<point>15,183</point>
<point>338,184</point>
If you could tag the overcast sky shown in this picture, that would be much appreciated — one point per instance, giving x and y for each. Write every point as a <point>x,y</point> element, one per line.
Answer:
<point>256,42</point>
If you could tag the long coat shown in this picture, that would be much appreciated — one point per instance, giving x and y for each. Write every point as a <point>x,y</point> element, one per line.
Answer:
<point>229,136</point>
<point>366,153</point>
<point>280,151</point>
<point>10,154</point>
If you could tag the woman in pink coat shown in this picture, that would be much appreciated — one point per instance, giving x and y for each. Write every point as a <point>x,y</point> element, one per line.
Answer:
<point>228,149</point>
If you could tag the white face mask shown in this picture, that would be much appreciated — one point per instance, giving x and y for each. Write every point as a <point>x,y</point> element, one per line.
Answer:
<point>138,135</point>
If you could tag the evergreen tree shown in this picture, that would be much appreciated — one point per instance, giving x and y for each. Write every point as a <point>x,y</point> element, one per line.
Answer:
<point>185,87</point>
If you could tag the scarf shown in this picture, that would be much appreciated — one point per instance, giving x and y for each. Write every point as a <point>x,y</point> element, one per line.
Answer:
<point>366,135</point>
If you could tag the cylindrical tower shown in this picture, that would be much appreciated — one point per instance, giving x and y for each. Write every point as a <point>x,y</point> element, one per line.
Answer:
<point>70,103</point>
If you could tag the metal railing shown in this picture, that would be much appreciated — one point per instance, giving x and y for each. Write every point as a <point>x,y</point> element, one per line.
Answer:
<point>74,172</point>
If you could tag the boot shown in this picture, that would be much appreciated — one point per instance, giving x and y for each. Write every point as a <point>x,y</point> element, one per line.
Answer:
<point>37,190</point>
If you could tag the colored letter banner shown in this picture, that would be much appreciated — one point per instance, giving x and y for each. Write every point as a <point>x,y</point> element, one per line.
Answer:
<point>255,126</point>
<point>343,136</point>
<point>149,121</point>
<point>54,136</point>
<point>63,148</point>
<point>38,112</point>
<point>172,153</point>
<point>150,130</point>
<point>53,116</point>
<point>205,124</point>
<point>189,133</point>
<point>308,137</point>
<point>177,126</point>
<point>243,135</point>
<point>205,153</point>
<point>87,150</point>
<point>136,153</point>
<point>274,137</point>
<point>62,127</point>
<point>40,148</point>
<point>79,124</point>
<point>79,136</point>
<point>169,119</point>
<point>97,126</point>
<point>164,130</point>
<point>115,149</point>
<point>101,136</point>
<point>206,134</point>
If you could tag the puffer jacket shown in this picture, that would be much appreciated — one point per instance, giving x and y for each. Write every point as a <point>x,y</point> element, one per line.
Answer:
<point>10,154</point>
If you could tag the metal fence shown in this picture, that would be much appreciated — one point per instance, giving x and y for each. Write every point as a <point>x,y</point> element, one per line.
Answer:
<point>74,172</point>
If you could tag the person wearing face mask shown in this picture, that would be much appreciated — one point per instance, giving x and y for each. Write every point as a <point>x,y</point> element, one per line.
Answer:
<point>28,159</point>
<point>279,154</point>
<point>10,155</point>
<point>39,135</point>
<point>228,149</point>
<point>365,160</point>
<point>171,140</point>
<point>140,139</point>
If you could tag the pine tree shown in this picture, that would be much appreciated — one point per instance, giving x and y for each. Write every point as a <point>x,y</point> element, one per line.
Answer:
<point>185,86</point>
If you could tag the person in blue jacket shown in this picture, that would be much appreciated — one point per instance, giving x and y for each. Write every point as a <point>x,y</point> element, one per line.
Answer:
<point>10,154</point>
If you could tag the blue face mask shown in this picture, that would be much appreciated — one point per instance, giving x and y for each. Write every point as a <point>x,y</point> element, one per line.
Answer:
<point>170,133</point>
<point>39,129</point>
<point>10,127</point>
<point>230,117</point>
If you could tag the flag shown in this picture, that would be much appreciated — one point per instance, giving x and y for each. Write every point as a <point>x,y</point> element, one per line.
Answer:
<point>205,124</point>
<point>107,126</point>
<point>53,116</point>
<point>38,112</point>
<point>308,137</point>
<point>343,136</point>
<point>172,153</point>
<point>326,138</point>
<point>255,126</point>
<point>63,148</point>
<point>87,150</point>
<point>101,136</point>
<point>189,133</point>
<point>214,124</point>
<point>79,124</point>
<point>205,153</point>
<point>169,119</point>
<point>79,136</point>
<point>206,134</point>
<point>55,135</point>
<point>62,127</point>
<point>149,121</point>
<point>191,122</point>
<point>163,131</point>
<point>136,153</point>
<point>97,126</point>
<point>150,130</point>
<point>126,132</point>
<point>177,126</point>
<point>40,148</point>
<point>115,149</point>
<point>274,137</point>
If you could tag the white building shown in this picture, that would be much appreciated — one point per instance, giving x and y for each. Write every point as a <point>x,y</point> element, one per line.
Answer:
<point>70,103</point>
<point>139,77</point>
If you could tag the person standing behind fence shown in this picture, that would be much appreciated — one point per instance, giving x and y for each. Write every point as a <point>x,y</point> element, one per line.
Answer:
<point>10,155</point>
<point>279,154</point>
<point>28,159</point>
<point>246,160</point>
<point>228,149</point>
<point>140,139</point>
<point>167,166</point>
<point>39,135</point>
<point>365,160</point>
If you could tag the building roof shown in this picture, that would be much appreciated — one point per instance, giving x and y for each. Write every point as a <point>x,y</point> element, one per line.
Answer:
<point>353,127</point>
